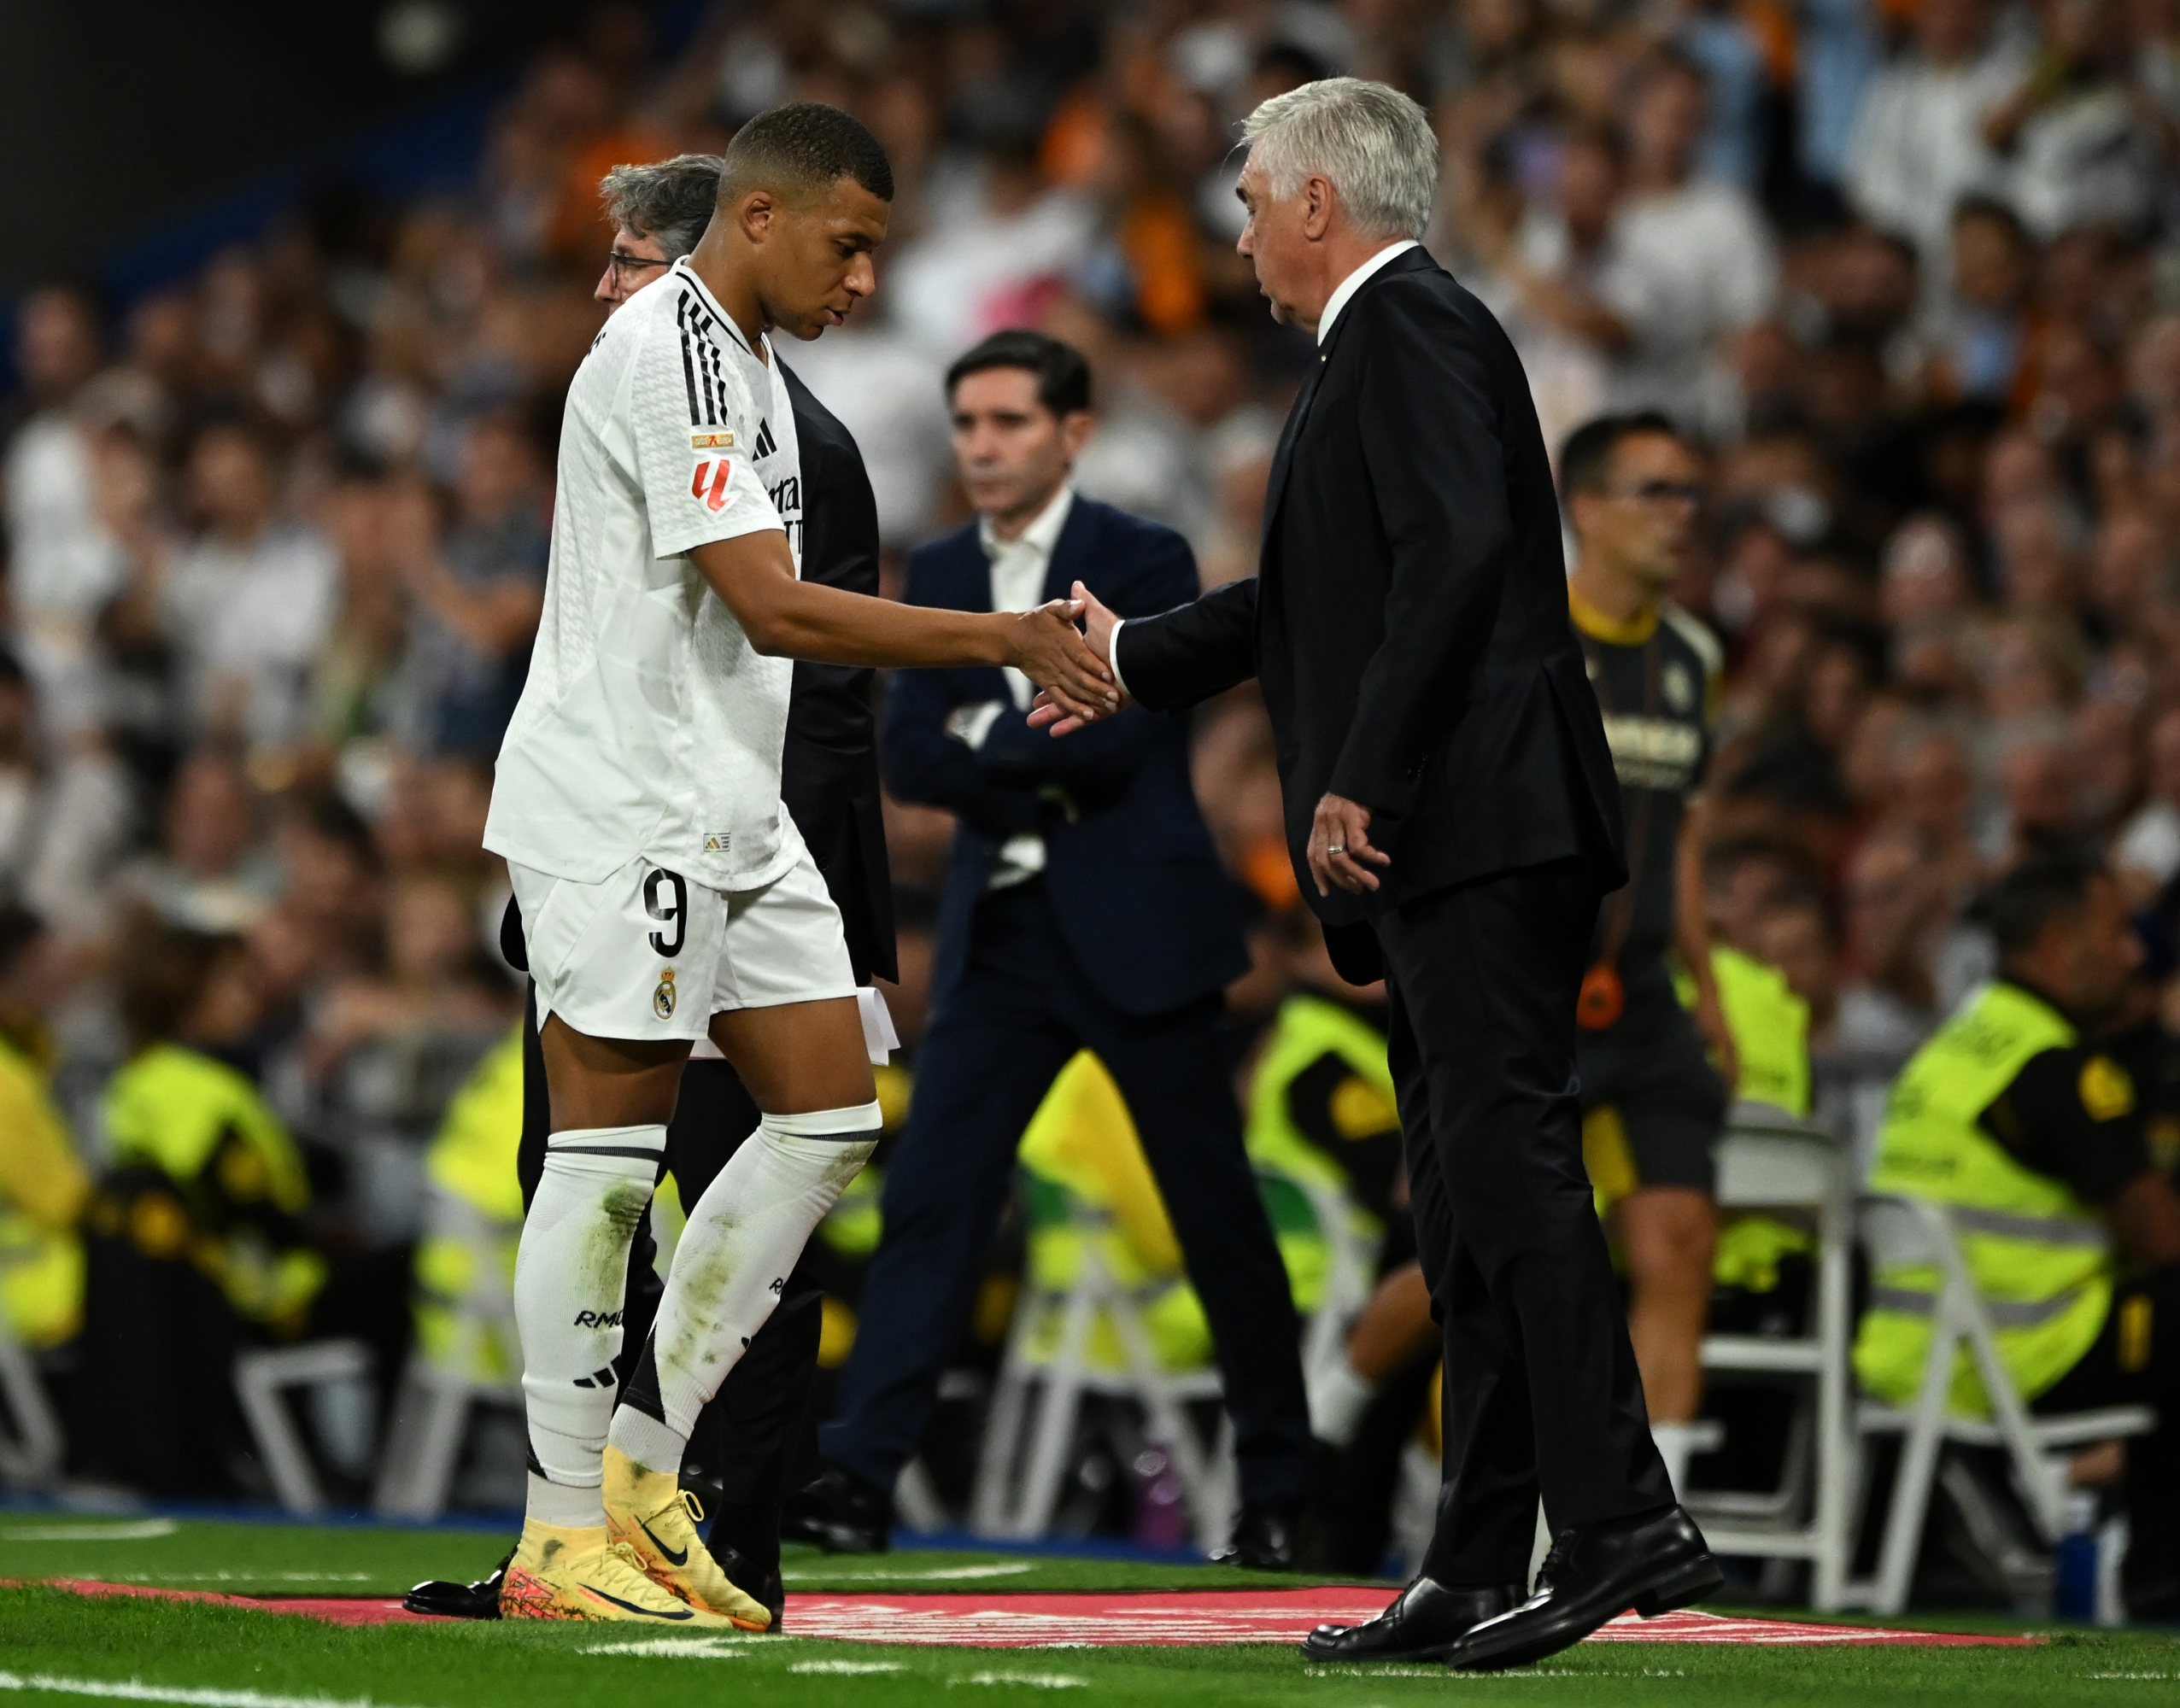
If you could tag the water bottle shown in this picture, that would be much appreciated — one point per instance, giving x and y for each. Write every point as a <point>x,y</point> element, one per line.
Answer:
<point>1161,1514</point>
<point>2074,1568</point>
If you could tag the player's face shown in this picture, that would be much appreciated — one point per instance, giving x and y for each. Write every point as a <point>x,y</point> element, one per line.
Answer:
<point>1012,452</point>
<point>1646,520</point>
<point>633,263</point>
<point>813,263</point>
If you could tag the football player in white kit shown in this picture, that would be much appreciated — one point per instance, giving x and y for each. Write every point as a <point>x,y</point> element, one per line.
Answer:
<point>666,893</point>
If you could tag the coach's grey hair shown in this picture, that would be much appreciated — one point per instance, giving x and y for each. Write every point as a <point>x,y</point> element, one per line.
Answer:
<point>669,201</point>
<point>1372,141</point>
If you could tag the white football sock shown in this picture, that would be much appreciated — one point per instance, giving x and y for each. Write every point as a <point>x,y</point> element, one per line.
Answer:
<point>571,1277</point>
<point>743,1236</point>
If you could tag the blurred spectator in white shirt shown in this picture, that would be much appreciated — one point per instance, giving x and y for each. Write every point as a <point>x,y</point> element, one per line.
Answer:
<point>988,257</point>
<point>2146,850</point>
<point>1549,266</point>
<point>478,590</point>
<point>249,605</point>
<point>62,567</point>
<point>1918,146</point>
<point>64,814</point>
<point>2080,139</point>
<point>214,871</point>
<point>1693,261</point>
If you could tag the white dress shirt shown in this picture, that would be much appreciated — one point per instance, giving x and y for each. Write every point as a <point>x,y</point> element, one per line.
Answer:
<point>1019,567</point>
<point>1343,293</point>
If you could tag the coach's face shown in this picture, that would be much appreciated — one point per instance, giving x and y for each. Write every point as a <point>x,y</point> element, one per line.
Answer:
<point>1281,238</point>
<point>813,254</point>
<point>1012,452</point>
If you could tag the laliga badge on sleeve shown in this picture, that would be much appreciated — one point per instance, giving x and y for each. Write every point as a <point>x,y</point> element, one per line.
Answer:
<point>1602,1000</point>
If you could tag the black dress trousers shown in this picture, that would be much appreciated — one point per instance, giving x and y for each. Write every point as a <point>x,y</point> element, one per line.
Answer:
<point>1542,1390</point>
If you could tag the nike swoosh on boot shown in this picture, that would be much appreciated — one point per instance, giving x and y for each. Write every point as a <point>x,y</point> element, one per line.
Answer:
<point>675,1560</point>
<point>685,1613</point>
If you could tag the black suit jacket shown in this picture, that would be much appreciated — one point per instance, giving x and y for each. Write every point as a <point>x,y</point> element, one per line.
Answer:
<point>1134,881</point>
<point>829,768</point>
<point>1409,622</point>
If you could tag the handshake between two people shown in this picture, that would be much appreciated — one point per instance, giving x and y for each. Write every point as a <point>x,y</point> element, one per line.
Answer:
<point>1339,853</point>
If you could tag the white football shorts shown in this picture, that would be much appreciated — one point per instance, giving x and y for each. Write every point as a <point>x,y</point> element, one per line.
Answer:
<point>651,954</point>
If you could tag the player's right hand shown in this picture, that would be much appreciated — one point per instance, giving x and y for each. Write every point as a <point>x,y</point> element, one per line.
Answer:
<point>1045,646</point>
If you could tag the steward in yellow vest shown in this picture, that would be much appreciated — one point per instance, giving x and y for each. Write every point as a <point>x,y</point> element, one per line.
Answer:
<point>473,1224</point>
<point>2032,1137</point>
<point>43,1186</point>
<point>197,1244</point>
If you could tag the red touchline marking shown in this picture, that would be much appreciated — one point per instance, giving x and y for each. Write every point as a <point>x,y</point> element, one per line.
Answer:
<point>1001,1619</point>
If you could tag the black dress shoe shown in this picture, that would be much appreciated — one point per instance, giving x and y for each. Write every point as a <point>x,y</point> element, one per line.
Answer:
<point>1423,1623</point>
<point>841,1513</point>
<point>1653,1563</point>
<point>477,1600</point>
<point>1263,1539</point>
<point>761,1584</point>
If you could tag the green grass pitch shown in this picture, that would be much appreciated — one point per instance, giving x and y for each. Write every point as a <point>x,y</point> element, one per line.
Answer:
<point>65,1647</point>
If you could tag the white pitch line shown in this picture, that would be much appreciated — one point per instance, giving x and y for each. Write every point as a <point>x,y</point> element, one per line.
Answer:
<point>243,1576</point>
<point>132,1531</point>
<point>135,1690</point>
<point>1041,1680</point>
<point>670,1648</point>
<point>948,1574</point>
<point>846,1669</point>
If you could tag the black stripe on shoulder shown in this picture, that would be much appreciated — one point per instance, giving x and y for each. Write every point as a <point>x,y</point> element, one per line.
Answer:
<point>688,364</point>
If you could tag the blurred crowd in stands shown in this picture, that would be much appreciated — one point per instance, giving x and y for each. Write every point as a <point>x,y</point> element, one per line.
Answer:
<point>275,531</point>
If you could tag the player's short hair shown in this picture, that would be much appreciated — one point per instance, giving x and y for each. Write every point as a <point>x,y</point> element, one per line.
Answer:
<point>668,201</point>
<point>1585,458</point>
<point>1062,376</point>
<point>801,149</point>
<point>1373,144</point>
<point>2047,885</point>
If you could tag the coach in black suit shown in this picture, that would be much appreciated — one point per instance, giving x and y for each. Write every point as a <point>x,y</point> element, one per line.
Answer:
<point>1452,813</point>
<point>1084,908</point>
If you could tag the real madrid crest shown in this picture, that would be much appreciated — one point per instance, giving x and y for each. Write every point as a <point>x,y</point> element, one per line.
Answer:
<point>662,999</point>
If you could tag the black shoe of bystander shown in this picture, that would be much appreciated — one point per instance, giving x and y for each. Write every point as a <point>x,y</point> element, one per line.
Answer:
<point>1263,1539</point>
<point>841,1513</point>
<point>1424,1622</point>
<point>1653,1563</point>
<point>449,1600</point>
<point>763,1586</point>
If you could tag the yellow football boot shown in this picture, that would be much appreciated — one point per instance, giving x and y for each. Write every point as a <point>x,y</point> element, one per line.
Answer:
<point>563,1574</point>
<point>650,1515</point>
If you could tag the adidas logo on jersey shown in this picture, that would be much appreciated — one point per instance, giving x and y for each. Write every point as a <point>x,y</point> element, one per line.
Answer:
<point>766,444</point>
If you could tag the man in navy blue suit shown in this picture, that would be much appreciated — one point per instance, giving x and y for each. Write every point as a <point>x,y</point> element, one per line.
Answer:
<point>1084,908</point>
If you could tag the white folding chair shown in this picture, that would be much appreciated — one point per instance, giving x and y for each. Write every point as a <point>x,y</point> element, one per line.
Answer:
<point>1767,1161</point>
<point>262,1379</point>
<point>31,1452</point>
<point>1913,1231</point>
<point>1058,1376</point>
<point>440,1389</point>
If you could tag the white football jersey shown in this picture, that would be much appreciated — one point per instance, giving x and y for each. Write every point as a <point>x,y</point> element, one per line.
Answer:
<point>649,725</point>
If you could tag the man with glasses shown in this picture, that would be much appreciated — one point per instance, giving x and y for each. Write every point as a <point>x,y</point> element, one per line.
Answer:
<point>1652,1103</point>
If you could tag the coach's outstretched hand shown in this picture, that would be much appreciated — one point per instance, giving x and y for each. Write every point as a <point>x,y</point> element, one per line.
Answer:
<point>1045,646</point>
<point>1098,625</point>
